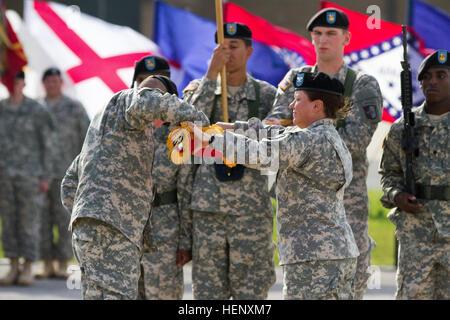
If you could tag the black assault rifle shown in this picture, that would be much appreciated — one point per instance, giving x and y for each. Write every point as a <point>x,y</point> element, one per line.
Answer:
<point>409,142</point>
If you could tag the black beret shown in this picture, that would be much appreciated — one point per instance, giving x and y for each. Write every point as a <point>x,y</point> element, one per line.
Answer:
<point>318,82</point>
<point>52,71</point>
<point>235,30</point>
<point>438,58</point>
<point>150,64</point>
<point>328,17</point>
<point>171,87</point>
<point>20,75</point>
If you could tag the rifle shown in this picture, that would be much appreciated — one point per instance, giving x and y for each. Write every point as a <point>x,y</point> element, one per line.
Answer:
<point>409,142</point>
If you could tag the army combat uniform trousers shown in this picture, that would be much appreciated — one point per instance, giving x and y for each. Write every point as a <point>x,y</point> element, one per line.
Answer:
<point>54,214</point>
<point>161,278</point>
<point>232,256</point>
<point>109,261</point>
<point>319,280</point>
<point>423,258</point>
<point>356,204</point>
<point>19,209</point>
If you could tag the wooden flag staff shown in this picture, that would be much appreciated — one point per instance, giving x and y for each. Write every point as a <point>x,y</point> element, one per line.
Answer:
<point>223,74</point>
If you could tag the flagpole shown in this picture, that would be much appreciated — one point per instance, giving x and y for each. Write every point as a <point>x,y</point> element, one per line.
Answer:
<point>223,75</point>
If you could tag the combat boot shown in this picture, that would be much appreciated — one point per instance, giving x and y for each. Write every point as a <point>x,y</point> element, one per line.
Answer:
<point>49,270</point>
<point>11,277</point>
<point>26,277</point>
<point>61,272</point>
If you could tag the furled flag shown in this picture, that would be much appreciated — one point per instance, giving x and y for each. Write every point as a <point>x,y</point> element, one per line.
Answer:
<point>97,58</point>
<point>12,56</point>
<point>430,23</point>
<point>377,50</point>
<point>189,40</point>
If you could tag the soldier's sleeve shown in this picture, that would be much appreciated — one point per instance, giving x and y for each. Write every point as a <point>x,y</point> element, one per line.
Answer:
<point>269,152</point>
<point>362,120</point>
<point>145,105</point>
<point>69,185</point>
<point>185,182</point>
<point>283,98</point>
<point>201,94</point>
<point>391,167</point>
<point>83,123</point>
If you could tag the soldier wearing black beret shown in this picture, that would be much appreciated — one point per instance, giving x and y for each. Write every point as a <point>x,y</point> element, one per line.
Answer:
<point>150,65</point>
<point>329,29</point>
<point>422,219</point>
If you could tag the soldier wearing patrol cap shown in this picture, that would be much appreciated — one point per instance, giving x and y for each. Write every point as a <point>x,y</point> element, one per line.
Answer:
<point>232,221</point>
<point>422,221</point>
<point>26,155</point>
<point>71,124</point>
<point>330,35</point>
<point>316,245</point>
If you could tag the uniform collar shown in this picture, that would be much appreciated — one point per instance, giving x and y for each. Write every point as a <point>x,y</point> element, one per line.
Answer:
<point>340,75</point>
<point>247,90</point>
<point>423,120</point>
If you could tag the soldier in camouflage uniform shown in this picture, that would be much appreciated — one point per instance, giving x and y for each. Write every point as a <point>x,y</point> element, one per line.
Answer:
<point>71,124</point>
<point>232,219</point>
<point>422,221</point>
<point>108,187</point>
<point>316,244</point>
<point>25,131</point>
<point>356,129</point>
<point>161,277</point>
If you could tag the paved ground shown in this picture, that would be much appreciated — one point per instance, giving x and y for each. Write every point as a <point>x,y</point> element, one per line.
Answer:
<point>381,286</point>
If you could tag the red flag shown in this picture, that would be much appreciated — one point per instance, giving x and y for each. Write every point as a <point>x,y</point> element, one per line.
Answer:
<point>13,58</point>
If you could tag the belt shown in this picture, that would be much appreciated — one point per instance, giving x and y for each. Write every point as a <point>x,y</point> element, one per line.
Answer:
<point>164,198</point>
<point>432,192</point>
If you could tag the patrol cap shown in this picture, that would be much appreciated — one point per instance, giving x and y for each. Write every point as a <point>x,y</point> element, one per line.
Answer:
<point>328,17</point>
<point>20,75</point>
<point>439,58</point>
<point>235,30</point>
<point>52,71</point>
<point>151,64</point>
<point>318,82</point>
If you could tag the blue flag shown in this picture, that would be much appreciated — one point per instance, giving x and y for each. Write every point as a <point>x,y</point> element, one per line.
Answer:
<point>431,23</point>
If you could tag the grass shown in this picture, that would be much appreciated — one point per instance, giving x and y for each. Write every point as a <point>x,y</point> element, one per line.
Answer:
<point>380,229</point>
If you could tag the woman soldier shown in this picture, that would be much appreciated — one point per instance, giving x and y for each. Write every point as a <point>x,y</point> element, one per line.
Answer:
<point>316,245</point>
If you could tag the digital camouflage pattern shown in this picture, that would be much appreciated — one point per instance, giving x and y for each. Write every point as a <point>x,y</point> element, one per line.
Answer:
<point>71,124</point>
<point>247,197</point>
<point>161,279</point>
<point>25,158</point>
<point>424,251</point>
<point>111,178</point>
<point>319,280</point>
<point>360,125</point>
<point>314,168</point>
<point>109,261</point>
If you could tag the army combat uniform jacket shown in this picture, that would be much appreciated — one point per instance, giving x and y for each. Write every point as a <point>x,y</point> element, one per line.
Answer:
<point>112,175</point>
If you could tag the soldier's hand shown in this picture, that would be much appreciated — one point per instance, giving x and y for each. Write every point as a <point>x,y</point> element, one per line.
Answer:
<point>183,257</point>
<point>219,59</point>
<point>225,125</point>
<point>43,186</point>
<point>407,202</point>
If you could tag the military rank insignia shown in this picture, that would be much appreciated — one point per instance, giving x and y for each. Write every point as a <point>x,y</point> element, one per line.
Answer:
<point>331,17</point>
<point>284,84</point>
<point>150,63</point>
<point>442,56</point>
